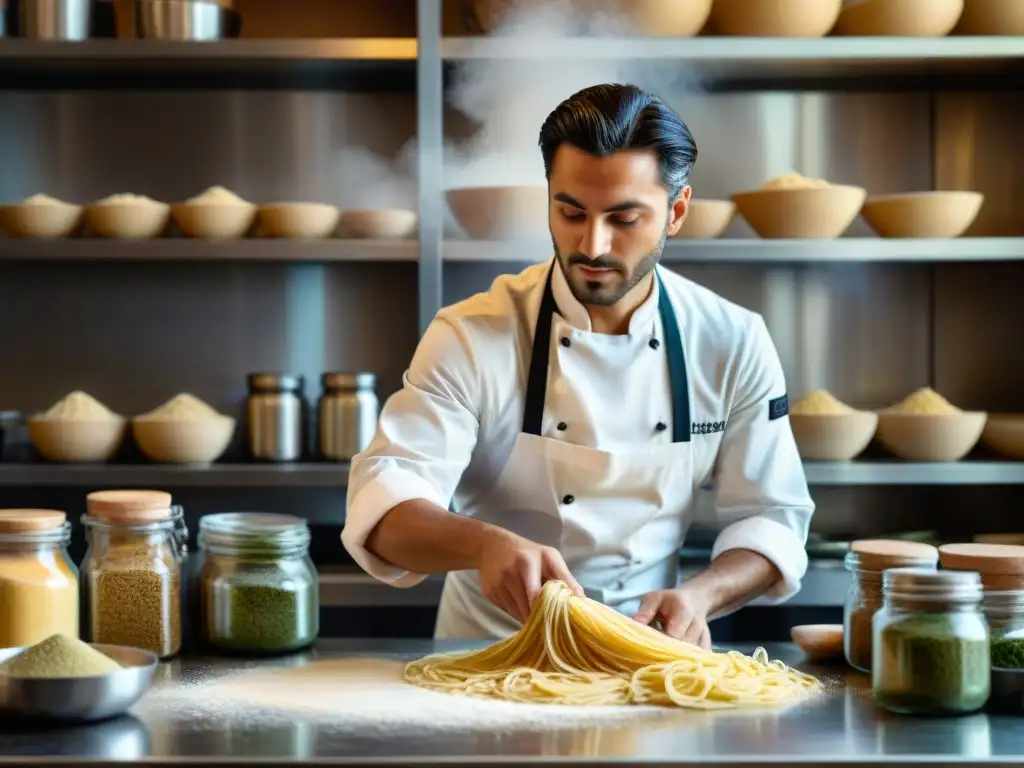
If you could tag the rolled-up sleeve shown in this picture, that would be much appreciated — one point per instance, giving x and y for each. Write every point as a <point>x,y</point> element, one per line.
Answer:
<point>424,441</point>
<point>761,493</point>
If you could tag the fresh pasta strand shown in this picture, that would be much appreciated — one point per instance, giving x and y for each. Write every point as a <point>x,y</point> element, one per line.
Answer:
<point>575,651</point>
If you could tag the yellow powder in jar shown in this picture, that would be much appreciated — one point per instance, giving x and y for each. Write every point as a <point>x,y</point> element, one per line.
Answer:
<point>925,402</point>
<point>38,598</point>
<point>820,402</point>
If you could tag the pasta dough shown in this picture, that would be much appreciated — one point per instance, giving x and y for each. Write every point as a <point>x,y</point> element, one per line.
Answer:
<point>576,651</point>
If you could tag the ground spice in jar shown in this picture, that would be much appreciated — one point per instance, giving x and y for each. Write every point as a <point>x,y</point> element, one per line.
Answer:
<point>133,571</point>
<point>932,643</point>
<point>258,585</point>
<point>59,656</point>
<point>868,559</point>
<point>38,582</point>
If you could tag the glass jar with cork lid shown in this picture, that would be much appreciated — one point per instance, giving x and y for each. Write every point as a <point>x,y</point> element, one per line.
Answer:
<point>38,580</point>
<point>132,571</point>
<point>868,559</point>
<point>931,643</point>
<point>1001,568</point>
<point>258,586</point>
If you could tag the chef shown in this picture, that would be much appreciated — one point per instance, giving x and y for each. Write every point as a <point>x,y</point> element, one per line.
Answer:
<point>559,425</point>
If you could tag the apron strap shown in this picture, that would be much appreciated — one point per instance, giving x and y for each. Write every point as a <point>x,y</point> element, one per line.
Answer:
<point>537,382</point>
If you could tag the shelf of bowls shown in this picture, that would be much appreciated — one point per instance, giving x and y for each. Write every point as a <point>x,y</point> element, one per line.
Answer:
<point>183,430</point>
<point>216,213</point>
<point>939,629</point>
<point>798,18</point>
<point>923,427</point>
<point>789,206</point>
<point>254,591</point>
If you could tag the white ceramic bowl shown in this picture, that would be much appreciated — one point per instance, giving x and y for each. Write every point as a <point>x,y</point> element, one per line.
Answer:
<point>501,213</point>
<point>384,224</point>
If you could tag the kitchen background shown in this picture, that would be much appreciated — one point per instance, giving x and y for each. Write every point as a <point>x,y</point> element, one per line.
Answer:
<point>133,332</point>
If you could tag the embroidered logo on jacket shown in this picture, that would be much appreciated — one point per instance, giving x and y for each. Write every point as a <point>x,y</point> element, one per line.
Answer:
<point>778,407</point>
<point>707,427</point>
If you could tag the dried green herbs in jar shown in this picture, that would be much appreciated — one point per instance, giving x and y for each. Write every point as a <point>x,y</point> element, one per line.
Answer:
<point>258,589</point>
<point>132,570</point>
<point>931,649</point>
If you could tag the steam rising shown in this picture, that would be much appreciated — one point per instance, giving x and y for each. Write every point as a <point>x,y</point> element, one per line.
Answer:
<point>507,100</point>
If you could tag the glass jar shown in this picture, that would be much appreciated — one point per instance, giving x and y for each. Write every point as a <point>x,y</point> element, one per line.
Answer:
<point>931,643</point>
<point>258,588</point>
<point>133,570</point>
<point>867,560</point>
<point>38,580</point>
<point>1004,611</point>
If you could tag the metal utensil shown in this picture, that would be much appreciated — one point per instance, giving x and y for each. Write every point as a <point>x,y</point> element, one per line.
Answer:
<point>81,699</point>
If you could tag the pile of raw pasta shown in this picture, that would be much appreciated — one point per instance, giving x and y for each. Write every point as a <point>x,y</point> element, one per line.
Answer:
<point>575,651</point>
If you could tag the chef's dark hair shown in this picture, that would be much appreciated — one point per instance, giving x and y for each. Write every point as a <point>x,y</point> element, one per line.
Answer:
<point>605,119</point>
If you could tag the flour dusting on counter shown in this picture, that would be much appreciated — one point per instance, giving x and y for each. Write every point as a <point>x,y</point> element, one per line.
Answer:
<point>361,694</point>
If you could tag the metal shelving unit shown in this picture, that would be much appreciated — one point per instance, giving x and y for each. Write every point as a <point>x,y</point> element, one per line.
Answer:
<point>335,475</point>
<point>753,250</point>
<point>183,249</point>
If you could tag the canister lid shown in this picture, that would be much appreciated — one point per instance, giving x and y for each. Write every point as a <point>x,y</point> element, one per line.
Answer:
<point>1001,565</point>
<point>342,380</point>
<point>30,520</point>
<point>881,554</point>
<point>129,507</point>
<point>275,382</point>
<point>929,583</point>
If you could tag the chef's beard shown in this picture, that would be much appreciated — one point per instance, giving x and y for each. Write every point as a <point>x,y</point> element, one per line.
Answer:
<point>606,294</point>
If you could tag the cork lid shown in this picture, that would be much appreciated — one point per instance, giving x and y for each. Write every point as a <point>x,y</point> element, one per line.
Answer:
<point>881,554</point>
<point>30,520</point>
<point>129,507</point>
<point>986,559</point>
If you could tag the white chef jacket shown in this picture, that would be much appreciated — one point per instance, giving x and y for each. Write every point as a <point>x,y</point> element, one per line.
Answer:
<point>448,434</point>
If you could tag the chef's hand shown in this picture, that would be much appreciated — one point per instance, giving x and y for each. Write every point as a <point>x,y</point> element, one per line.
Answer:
<point>513,570</point>
<point>682,612</point>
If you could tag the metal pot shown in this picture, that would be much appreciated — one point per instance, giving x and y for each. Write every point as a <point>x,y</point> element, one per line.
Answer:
<point>68,20</point>
<point>186,20</point>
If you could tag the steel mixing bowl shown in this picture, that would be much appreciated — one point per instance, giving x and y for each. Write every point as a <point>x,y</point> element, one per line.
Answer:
<point>79,699</point>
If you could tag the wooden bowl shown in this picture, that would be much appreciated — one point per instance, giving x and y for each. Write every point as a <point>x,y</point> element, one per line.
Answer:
<point>501,213</point>
<point>51,220</point>
<point>299,220</point>
<point>129,221</point>
<point>814,212</point>
<point>66,440</point>
<point>923,214</point>
<point>902,18</point>
<point>930,437</point>
<point>991,17</point>
<point>669,18</point>
<point>183,442</point>
<point>775,18</point>
<point>1004,434</point>
<point>833,437</point>
<point>386,224</point>
<point>819,641</point>
<point>214,221</point>
<point>707,219</point>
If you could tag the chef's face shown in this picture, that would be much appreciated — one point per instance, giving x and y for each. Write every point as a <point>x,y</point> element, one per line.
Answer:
<point>609,218</point>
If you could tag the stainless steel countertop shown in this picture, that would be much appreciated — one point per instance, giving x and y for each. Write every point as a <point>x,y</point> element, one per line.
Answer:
<point>843,728</point>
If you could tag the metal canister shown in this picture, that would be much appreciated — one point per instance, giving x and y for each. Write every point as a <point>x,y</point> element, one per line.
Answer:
<point>347,414</point>
<point>276,417</point>
<point>55,19</point>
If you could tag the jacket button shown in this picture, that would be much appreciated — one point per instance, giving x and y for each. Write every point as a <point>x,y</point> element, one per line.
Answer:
<point>562,426</point>
<point>654,343</point>
<point>566,342</point>
<point>661,426</point>
<point>568,499</point>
